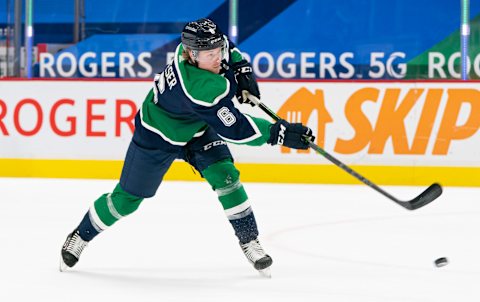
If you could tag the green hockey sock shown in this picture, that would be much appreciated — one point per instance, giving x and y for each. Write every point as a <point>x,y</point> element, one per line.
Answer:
<point>111,207</point>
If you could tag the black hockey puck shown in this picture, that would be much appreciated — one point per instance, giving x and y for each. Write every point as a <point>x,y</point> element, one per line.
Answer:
<point>441,262</point>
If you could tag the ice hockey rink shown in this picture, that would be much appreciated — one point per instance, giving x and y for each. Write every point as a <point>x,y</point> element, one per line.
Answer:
<point>329,243</point>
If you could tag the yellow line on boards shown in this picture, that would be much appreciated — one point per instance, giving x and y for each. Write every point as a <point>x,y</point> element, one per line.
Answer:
<point>251,172</point>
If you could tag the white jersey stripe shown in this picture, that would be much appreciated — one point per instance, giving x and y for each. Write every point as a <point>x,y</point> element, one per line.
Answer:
<point>248,139</point>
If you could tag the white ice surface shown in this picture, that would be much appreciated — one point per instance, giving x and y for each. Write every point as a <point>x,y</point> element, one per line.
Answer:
<point>328,243</point>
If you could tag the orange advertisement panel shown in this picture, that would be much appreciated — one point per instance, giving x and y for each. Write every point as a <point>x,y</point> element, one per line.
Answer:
<point>382,123</point>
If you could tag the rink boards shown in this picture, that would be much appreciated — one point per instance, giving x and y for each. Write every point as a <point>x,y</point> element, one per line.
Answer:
<point>391,132</point>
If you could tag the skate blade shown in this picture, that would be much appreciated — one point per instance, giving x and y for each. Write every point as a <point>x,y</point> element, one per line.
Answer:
<point>266,273</point>
<point>62,267</point>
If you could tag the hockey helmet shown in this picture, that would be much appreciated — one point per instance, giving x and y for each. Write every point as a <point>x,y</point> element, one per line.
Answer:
<point>202,34</point>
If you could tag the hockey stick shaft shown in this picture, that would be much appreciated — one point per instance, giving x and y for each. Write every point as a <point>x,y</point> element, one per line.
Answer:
<point>430,194</point>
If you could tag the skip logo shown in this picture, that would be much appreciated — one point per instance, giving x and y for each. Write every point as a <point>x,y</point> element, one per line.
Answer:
<point>300,106</point>
<point>403,120</point>
<point>281,134</point>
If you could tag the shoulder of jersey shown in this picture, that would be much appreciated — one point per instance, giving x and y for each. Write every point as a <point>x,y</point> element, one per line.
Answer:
<point>200,86</point>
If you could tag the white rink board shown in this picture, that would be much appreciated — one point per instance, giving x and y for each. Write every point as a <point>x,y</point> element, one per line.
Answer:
<point>352,110</point>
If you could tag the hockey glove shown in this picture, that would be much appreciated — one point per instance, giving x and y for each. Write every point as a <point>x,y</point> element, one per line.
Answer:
<point>246,82</point>
<point>293,135</point>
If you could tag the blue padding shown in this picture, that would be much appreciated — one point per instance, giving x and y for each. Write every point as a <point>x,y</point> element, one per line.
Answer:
<point>134,44</point>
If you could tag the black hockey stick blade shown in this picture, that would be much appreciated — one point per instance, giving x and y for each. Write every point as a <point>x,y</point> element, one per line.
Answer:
<point>426,197</point>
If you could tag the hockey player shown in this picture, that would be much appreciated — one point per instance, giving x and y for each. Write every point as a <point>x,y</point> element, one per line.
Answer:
<point>189,115</point>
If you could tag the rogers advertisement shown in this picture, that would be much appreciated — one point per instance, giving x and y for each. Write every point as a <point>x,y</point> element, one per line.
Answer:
<point>361,123</point>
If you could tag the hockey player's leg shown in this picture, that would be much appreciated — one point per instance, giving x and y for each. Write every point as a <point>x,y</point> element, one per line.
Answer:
<point>224,179</point>
<point>104,212</point>
<point>144,167</point>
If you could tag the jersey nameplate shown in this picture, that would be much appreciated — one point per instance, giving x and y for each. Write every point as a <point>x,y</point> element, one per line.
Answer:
<point>167,76</point>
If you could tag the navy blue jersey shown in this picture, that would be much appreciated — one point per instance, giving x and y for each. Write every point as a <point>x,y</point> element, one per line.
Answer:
<point>185,100</point>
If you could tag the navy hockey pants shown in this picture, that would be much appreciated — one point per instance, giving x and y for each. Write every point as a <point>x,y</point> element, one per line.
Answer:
<point>149,157</point>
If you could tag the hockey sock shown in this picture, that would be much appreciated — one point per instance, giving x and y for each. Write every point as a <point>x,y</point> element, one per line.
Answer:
<point>107,210</point>
<point>87,229</point>
<point>246,227</point>
<point>224,179</point>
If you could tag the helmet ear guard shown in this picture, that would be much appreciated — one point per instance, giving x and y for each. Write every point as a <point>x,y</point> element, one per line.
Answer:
<point>192,55</point>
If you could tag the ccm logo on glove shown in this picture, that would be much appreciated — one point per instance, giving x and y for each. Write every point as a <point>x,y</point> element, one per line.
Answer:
<point>247,84</point>
<point>292,135</point>
<point>281,134</point>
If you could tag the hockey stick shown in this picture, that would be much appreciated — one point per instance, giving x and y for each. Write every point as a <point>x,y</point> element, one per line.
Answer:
<point>426,197</point>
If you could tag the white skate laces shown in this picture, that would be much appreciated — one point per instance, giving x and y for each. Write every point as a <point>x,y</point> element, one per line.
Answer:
<point>257,256</point>
<point>76,245</point>
<point>71,250</point>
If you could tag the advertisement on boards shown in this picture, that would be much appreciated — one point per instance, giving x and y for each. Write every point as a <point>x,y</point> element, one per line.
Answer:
<point>367,123</point>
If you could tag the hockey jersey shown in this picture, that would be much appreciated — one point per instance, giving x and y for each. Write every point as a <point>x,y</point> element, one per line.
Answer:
<point>185,100</point>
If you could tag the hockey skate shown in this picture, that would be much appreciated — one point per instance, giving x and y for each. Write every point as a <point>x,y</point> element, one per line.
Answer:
<point>257,256</point>
<point>71,250</point>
